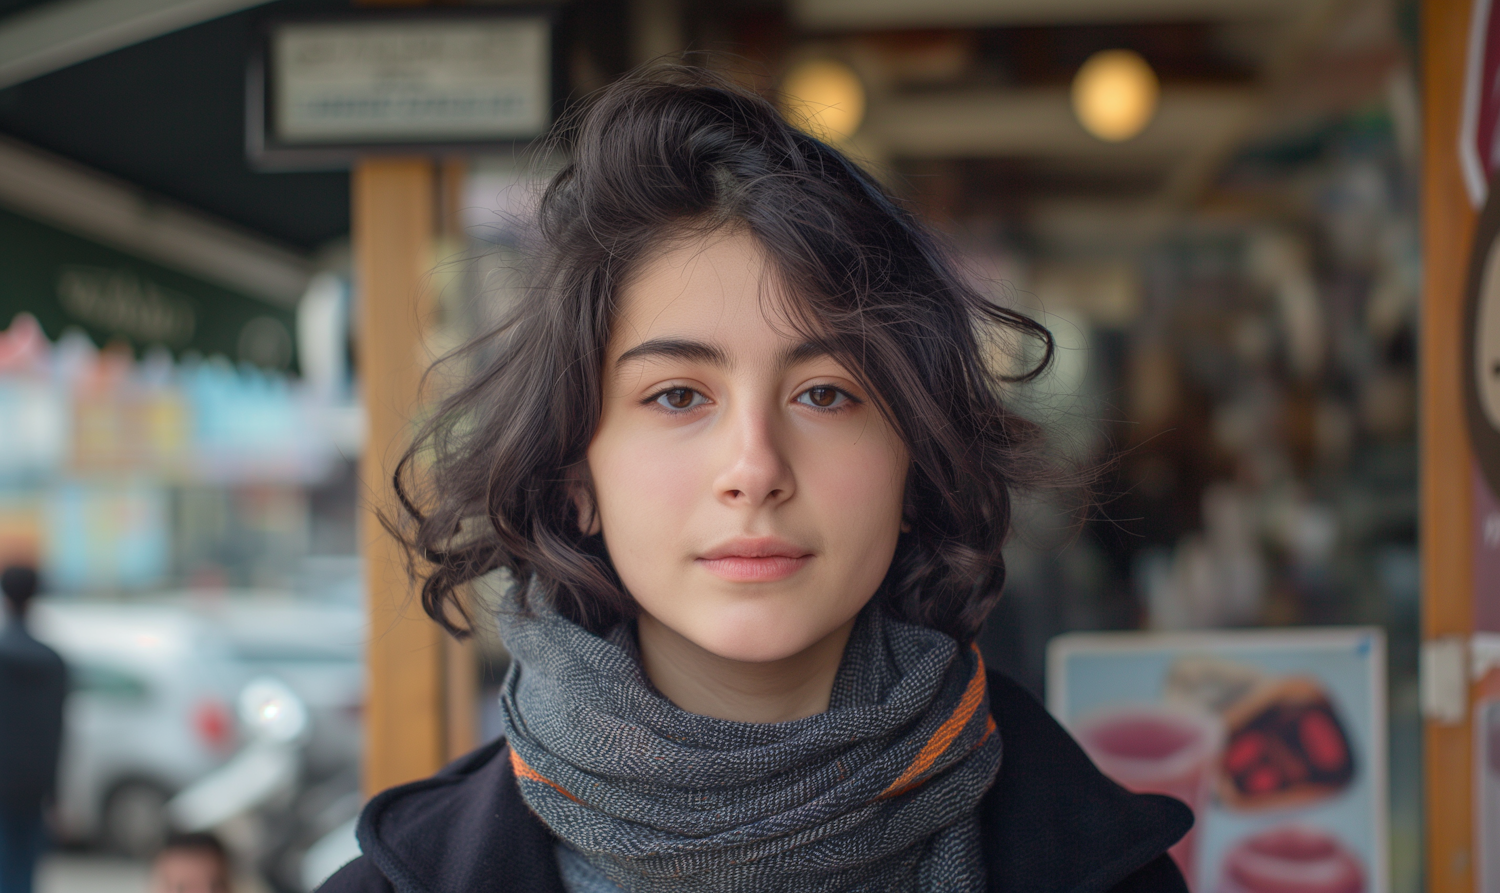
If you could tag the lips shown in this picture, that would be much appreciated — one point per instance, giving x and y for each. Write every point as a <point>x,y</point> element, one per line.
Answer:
<point>760,560</point>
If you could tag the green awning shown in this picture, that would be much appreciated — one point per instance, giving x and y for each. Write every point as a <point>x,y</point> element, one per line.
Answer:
<point>66,280</point>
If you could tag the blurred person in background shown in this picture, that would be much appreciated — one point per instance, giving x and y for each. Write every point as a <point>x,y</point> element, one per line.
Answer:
<point>33,683</point>
<point>191,863</point>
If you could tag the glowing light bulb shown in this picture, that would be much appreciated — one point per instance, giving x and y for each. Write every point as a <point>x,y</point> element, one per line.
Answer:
<point>1115,94</point>
<point>825,98</point>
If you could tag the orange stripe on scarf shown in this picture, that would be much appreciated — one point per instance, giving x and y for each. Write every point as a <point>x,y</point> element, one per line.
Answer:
<point>943,738</point>
<point>525,771</point>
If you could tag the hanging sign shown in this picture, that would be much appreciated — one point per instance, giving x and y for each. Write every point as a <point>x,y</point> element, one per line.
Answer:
<point>1481,353</point>
<point>383,81</point>
<point>1479,155</point>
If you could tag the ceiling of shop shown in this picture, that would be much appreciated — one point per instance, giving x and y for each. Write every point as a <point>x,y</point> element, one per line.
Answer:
<point>832,14</point>
<point>1233,75</point>
<point>981,82</point>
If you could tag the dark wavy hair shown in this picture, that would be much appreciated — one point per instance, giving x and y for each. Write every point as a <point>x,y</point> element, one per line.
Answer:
<point>676,152</point>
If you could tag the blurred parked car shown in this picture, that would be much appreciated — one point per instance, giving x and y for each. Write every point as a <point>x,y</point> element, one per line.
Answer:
<point>151,711</point>
<point>155,685</point>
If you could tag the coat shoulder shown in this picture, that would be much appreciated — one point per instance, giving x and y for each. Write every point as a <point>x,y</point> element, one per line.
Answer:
<point>1053,821</point>
<point>359,876</point>
<point>1160,875</point>
<point>440,833</point>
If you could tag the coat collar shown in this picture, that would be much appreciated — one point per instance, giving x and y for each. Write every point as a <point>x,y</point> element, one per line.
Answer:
<point>1051,822</point>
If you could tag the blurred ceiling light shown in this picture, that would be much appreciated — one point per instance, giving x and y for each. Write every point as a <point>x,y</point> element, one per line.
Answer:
<point>824,97</point>
<point>1115,94</point>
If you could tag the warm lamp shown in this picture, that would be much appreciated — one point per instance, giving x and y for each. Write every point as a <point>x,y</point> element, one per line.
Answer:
<point>825,97</point>
<point>1115,94</point>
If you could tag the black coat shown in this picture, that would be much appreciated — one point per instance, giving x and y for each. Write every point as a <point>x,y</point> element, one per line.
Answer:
<point>33,684</point>
<point>1051,822</point>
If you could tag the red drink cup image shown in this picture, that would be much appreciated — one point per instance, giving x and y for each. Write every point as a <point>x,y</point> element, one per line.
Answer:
<point>1154,750</point>
<point>1291,859</point>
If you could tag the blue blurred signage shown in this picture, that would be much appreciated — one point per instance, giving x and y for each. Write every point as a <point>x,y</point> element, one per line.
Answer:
<point>105,535</point>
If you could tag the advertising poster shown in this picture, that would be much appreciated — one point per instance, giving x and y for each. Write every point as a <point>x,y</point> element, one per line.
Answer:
<point>1478,154</point>
<point>1275,739</point>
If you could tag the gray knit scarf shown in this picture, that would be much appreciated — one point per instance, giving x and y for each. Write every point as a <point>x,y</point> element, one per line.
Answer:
<point>878,793</point>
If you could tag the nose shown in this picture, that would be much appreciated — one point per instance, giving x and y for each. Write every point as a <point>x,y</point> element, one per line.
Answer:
<point>755,471</point>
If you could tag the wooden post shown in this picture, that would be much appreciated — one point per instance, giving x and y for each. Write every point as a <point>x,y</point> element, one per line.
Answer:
<point>406,717</point>
<point>1447,463</point>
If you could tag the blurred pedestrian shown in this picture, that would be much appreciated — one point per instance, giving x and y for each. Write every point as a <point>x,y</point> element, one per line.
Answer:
<point>191,863</point>
<point>33,683</point>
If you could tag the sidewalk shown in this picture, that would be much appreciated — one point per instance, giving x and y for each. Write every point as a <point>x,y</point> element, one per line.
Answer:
<point>74,872</point>
<point>89,873</point>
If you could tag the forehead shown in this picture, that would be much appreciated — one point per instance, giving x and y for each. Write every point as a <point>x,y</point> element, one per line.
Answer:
<point>717,287</point>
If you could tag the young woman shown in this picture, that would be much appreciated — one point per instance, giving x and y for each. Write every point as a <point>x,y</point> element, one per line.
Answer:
<point>742,448</point>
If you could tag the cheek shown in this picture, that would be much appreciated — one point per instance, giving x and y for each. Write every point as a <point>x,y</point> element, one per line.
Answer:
<point>856,492</point>
<point>644,487</point>
<point>861,485</point>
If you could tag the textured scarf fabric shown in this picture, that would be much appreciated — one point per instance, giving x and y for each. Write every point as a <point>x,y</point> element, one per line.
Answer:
<point>878,793</point>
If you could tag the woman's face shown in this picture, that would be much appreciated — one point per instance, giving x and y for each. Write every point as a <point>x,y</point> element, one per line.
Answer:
<point>749,490</point>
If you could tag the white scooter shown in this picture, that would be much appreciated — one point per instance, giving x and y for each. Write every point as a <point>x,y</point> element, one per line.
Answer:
<point>256,802</point>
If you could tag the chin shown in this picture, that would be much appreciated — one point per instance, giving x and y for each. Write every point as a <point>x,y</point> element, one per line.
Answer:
<point>755,650</point>
<point>761,633</point>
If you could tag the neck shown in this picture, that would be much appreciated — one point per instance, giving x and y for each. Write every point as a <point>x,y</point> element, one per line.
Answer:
<point>704,683</point>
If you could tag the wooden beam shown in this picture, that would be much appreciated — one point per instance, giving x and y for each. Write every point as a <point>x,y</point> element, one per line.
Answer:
<point>1446,459</point>
<point>406,717</point>
<point>1039,121</point>
<point>829,15</point>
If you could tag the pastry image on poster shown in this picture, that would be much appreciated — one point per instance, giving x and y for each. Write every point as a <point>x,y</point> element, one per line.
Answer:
<point>1275,740</point>
<point>1285,747</point>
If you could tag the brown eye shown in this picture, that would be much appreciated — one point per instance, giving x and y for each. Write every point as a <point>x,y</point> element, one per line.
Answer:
<point>679,398</point>
<point>823,397</point>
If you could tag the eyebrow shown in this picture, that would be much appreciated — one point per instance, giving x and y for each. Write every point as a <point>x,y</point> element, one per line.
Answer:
<point>676,349</point>
<point>712,354</point>
<point>801,353</point>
